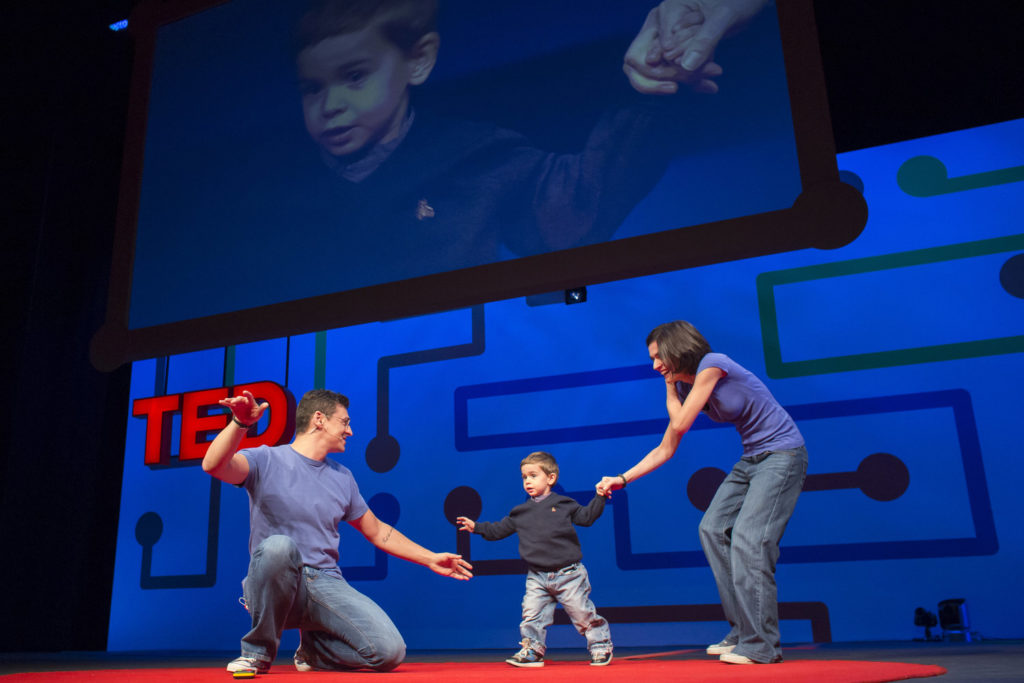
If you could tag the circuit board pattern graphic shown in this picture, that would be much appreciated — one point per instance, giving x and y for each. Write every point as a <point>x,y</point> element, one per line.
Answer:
<point>944,243</point>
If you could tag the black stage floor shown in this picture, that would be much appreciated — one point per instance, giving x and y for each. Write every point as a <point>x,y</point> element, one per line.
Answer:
<point>987,660</point>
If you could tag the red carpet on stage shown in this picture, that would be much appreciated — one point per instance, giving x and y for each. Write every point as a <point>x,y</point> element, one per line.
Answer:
<point>636,670</point>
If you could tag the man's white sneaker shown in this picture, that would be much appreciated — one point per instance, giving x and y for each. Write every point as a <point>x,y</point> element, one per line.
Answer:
<point>244,663</point>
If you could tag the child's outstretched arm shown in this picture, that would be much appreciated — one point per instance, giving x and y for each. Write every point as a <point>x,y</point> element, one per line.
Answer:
<point>491,531</point>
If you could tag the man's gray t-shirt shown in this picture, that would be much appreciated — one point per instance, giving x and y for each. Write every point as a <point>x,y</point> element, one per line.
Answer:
<point>301,498</point>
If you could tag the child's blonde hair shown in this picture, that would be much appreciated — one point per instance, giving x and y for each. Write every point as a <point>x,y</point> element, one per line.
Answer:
<point>545,460</point>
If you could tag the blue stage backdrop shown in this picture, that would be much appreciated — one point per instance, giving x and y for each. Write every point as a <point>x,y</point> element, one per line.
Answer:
<point>898,354</point>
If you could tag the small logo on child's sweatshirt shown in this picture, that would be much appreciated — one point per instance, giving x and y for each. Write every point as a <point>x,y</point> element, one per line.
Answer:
<point>424,210</point>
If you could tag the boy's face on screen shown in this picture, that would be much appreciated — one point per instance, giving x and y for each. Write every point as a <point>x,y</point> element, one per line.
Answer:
<point>535,481</point>
<point>354,90</point>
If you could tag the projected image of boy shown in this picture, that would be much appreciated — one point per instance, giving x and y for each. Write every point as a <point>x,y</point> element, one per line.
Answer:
<point>550,547</point>
<point>368,142</point>
<point>355,83</point>
<point>415,193</point>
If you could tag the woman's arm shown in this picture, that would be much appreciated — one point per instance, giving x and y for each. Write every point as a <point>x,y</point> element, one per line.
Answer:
<point>681,415</point>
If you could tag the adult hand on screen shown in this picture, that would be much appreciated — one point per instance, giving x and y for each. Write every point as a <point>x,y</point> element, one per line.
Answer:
<point>677,43</point>
<point>650,73</point>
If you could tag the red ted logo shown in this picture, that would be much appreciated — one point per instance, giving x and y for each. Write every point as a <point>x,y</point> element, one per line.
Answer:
<point>202,418</point>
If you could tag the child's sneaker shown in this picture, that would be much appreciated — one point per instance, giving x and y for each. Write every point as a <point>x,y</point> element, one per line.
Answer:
<point>244,663</point>
<point>527,656</point>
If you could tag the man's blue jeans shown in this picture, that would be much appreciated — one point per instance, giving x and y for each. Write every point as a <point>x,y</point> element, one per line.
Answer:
<point>340,627</point>
<point>740,534</point>
<point>569,586</point>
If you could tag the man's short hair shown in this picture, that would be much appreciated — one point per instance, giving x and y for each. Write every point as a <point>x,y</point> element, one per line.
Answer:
<point>544,460</point>
<point>323,400</point>
<point>402,22</point>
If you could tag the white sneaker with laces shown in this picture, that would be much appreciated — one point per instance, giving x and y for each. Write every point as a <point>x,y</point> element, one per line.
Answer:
<point>526,657</point>
<point>733,658</point>
<point>244,663</point>
<point>720,648</point>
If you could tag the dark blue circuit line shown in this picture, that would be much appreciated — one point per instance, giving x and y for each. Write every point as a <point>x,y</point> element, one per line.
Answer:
<point>385,364</point>
<point>149,527</point>
<point>148,530</point>
<point>463,394</point>
<point>386,508</point>
<point>984,542</point>
<point>383,451</point>
<point>814,612</point>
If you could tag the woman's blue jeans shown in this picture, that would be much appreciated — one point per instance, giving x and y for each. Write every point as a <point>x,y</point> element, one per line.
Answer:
<point>740,534</point>
<point>340,627</point>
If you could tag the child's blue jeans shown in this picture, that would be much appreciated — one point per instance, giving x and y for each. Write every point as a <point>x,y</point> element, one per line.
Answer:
<point>569,586</point>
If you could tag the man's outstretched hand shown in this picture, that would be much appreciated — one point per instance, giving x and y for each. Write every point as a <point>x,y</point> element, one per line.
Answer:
<point>450,564</point>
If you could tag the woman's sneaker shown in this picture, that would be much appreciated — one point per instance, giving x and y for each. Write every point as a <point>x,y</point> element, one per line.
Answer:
<point>733,658</point>
<point>526,657</point>
<point>721,648</point>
